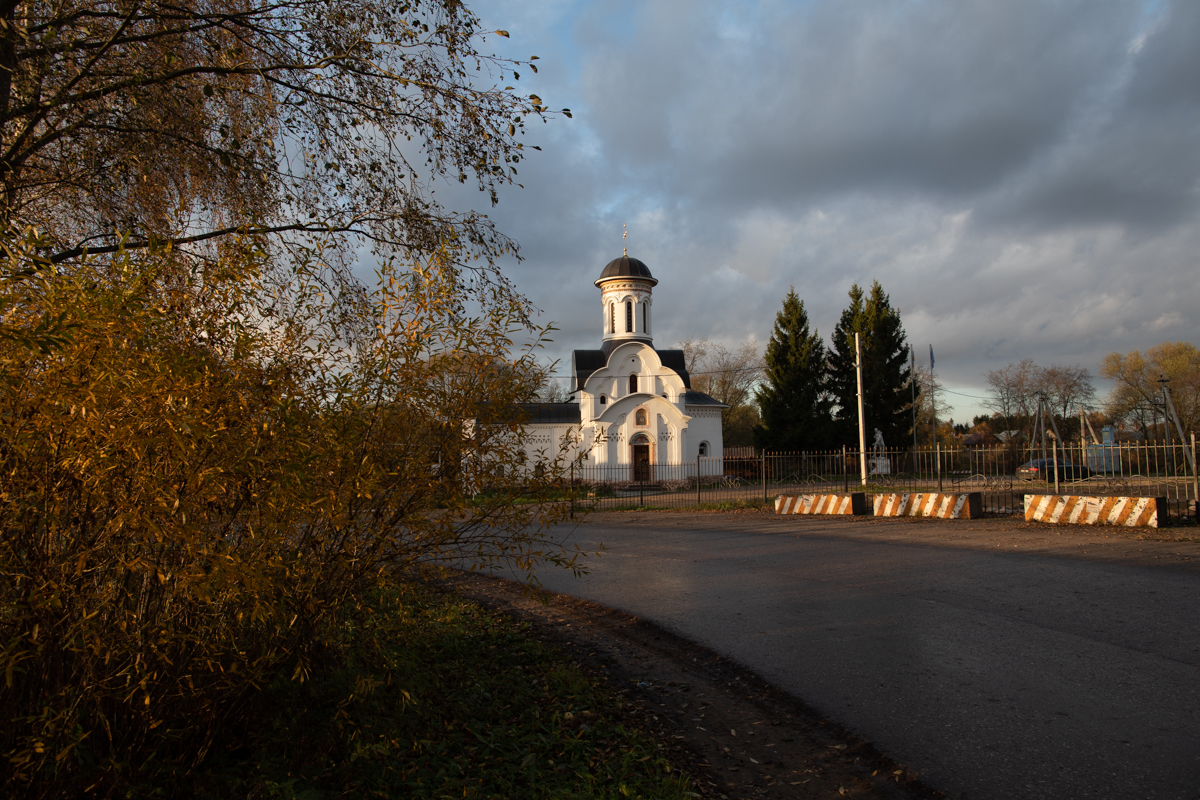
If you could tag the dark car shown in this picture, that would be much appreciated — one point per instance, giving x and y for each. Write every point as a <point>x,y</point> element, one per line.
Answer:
<point>1042,469</point>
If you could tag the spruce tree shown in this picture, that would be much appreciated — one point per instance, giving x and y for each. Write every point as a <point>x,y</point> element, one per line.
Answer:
<point>793,400</point>
<point>887,396</point>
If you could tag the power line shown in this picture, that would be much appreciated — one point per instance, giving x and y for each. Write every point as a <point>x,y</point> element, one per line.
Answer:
<point>962,394</point>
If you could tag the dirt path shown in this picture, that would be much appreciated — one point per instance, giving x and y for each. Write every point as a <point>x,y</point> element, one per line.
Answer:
<point>737,735</point>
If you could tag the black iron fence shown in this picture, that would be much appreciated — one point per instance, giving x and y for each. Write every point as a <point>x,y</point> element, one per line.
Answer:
<point>1156,469</point>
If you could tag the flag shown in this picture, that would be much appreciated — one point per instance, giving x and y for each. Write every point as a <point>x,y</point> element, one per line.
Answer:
<point>931,358</point>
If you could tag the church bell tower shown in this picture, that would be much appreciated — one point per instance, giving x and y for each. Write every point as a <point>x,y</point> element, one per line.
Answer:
<point>626,296</point>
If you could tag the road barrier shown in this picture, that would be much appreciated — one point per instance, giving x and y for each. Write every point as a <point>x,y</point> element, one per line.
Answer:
<point>1130,512</point>
<point>930,504</point>
<point>853,503</point>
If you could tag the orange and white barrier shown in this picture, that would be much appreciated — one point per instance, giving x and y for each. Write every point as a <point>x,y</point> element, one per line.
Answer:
<point>854,503</point>
<point>930,504</point>
<point>1130,512</point>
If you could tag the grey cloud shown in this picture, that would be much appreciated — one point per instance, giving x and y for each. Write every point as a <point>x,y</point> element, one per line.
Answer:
<point>1020,176</point>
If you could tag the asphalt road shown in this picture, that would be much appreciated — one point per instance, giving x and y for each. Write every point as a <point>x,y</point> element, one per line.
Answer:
<point>992,674</point>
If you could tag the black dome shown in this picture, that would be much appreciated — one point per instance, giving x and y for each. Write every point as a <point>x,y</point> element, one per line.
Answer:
<point>626,267</point>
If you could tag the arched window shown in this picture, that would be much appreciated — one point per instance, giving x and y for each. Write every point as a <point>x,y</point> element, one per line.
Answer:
<point>603,400</point>
<point>704,448</point>
<point>633,383</point>
<point>629,316</point>
<point>640,417</point>
<point>645,324</point>
<point>612,317</point>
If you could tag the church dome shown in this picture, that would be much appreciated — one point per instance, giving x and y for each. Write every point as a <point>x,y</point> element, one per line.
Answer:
<point>626,267</point>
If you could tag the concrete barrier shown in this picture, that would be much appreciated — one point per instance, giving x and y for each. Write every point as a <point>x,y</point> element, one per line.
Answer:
<point>853,503</point>
<point>1130,512</point>
<point>930,504</point>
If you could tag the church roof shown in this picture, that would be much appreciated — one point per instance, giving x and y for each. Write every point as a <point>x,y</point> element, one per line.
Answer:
<point>589,361</point>
<point>694,398</point>
<point>626,267</point>
<point>552,413</point>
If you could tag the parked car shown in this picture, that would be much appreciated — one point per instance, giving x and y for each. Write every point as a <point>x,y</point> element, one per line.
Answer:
<point>1042,469</point>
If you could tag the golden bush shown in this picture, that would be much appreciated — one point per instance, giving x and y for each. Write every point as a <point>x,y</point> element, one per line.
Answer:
<point>204,462</point>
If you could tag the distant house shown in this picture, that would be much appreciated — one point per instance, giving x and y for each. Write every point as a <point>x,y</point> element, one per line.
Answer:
<point>632,405</point>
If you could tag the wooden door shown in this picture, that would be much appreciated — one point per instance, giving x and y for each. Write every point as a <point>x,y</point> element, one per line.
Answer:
<point>641,462</point>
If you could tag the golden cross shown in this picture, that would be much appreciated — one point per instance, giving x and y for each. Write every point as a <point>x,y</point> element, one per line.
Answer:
<point>624,233</point>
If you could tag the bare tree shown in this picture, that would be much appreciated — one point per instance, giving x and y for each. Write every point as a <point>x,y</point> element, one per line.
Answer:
<point>1015,390</point>
<point>552,390</point>
<point>730,376</point>
<point>1066,387</point>
<point>1014,393</point>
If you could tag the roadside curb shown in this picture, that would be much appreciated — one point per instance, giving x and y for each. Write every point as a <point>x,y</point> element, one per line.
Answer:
<point>854,503</point>
<point>916,504</point>
<point>1128,512</point>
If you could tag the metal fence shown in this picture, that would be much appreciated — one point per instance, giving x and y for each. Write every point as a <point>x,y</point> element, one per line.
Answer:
<point>1156,469</point>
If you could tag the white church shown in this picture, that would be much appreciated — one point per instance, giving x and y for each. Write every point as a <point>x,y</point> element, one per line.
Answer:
<point>632,406</point>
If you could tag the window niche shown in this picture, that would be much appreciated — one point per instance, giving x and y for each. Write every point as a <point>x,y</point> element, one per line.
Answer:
<point>633,380</point>
<point>629,316</point>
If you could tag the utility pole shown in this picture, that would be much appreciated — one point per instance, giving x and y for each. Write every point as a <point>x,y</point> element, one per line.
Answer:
<point>937,446</point>
<point>912,382</point>
<point>932,394</point>
<point>862,429</point>
<point>1163,380</point>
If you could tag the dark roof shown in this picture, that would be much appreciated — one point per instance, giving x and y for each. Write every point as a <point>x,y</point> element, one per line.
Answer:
<point>612,344</point>
<point>585,363</point>
<point>673,359</point>
<point>588,361</point>
<point>626,267</point>
<point>552,413</point>
<point>694,398</point>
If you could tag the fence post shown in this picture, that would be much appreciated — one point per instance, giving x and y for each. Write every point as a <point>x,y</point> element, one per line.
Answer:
<point>1054,457</point>
<point>937,454</point>
<point>1195,483</point>
<point>697,480</point>
<point>764,475</point>
<point>571,490</point>
<point>845,471</point>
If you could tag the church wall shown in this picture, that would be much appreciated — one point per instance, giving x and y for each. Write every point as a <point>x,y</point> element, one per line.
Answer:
<point>705,427</point>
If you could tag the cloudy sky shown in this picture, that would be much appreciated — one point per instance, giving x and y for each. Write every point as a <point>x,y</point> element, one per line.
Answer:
<point>1020,176</point>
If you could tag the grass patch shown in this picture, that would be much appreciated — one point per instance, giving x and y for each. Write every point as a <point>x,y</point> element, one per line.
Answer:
<point>436,697</point>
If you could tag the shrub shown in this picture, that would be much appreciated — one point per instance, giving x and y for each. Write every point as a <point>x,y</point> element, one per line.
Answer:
<point>203,462</point>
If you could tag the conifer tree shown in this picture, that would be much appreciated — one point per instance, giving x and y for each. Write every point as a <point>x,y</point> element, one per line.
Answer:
<point>793,399</point>
<point>887,395</point>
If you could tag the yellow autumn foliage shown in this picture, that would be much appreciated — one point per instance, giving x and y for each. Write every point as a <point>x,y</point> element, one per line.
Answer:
<point>203,462</point>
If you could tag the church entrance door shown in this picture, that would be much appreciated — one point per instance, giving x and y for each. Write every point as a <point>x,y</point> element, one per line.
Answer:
<point>641,459</point>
